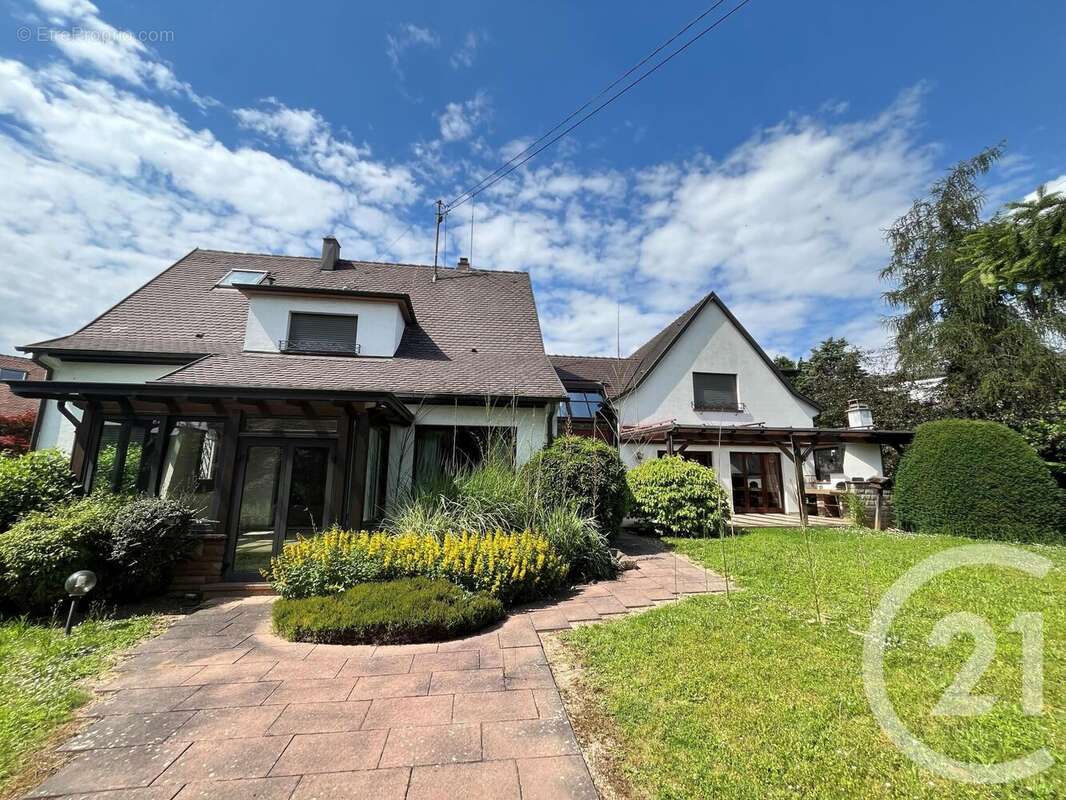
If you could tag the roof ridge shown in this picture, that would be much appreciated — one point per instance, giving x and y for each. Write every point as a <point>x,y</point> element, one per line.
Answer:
<point>602,358</point>
<point>472,271</point>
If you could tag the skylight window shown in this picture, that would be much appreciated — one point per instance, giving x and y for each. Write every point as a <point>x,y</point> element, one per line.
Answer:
<point>241,276</point>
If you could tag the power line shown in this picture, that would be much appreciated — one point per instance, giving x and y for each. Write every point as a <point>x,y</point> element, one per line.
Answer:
<point>589,102</point>
<point>532,151</point>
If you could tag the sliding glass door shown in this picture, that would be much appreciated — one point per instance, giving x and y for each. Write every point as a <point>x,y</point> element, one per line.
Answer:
<point>756,483</point>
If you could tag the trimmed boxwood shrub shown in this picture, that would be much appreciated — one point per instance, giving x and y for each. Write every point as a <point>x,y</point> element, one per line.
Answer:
<point>678,497</point>
<point>577,469</point>
<point>979,479</point>
<point>36,481</point>
<point>393,612</point>
<point>509,566</point>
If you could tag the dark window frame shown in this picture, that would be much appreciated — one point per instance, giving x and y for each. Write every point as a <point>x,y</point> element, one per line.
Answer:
<point>824,471</point>
<point>22,374</point>
<point>701,403</point>
<point>290,345</point>
<point>705,457</point>
<point>450,468</point>
<point>592,401</point>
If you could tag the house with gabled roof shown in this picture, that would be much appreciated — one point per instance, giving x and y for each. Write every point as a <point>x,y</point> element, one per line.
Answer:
<point>281,395</point>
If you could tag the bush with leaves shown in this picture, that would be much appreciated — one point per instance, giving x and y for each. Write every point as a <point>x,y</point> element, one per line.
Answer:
<point>494,496</point>
<point>36,481</point>
<point>679,497</point>
<point>149,536</point>
<point>392,612</point>
<point>38,553</point>
<point>978,479</point>
<point>588,472</point>
<point>510,566</point>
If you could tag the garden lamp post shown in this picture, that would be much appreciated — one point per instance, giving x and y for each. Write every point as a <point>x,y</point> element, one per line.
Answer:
<point>77,585</point>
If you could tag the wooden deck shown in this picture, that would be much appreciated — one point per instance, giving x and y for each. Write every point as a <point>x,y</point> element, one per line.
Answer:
<point>786,521</point>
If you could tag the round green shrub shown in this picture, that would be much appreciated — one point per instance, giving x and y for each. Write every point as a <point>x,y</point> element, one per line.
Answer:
<point>401,611</point>
<point>576,469</point>
<point>978,479</point>
<point>38,553</point>
<point>148,537</point>
<point>679,497</point>
<point>36,481</point>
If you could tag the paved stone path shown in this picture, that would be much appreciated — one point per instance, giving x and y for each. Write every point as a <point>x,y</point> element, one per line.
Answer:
<point>219,707</point>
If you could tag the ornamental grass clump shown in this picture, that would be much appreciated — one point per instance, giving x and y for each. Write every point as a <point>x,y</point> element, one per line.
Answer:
<point>509,566</point>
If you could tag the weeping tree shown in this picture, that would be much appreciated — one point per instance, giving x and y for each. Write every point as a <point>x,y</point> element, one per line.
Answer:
<point>996,352</point>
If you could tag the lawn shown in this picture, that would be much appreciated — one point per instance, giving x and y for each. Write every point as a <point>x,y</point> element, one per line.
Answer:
<point>751,697</point>
<point>41,679</point>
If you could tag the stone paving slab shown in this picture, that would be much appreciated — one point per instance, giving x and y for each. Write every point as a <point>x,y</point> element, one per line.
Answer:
<point>219,707</point>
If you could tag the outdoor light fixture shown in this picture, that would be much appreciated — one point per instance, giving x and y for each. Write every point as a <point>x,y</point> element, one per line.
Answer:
<point>77,585</point>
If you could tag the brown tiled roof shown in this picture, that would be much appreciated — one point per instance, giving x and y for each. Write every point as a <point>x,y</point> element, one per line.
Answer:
<point>477,331</point>
<point>10,405</point>
<point>621,375</point>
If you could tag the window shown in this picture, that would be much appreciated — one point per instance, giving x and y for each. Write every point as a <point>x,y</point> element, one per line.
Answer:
<point>127,456</point>
<point>581,405</point>
<point>445,449</point>
<point>191,464</point>
<point>714,391</point>
<point>828,461</point>
<point>7,374</point>
<point>241,276</point>
<point>322,333</point>
<point>704,457</point>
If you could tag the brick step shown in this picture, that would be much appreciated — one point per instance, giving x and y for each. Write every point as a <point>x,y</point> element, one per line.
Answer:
<point>236,589</point>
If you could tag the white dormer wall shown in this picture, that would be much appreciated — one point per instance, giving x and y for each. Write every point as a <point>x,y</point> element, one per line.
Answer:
<point>711,343</point>
<point>378,332</point>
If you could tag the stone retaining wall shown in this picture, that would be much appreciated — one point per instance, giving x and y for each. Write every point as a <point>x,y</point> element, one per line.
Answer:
<point>871,494</point>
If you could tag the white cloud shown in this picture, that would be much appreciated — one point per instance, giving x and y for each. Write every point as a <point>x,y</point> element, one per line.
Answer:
<point>459,120</point>
<point>403,39</point>
<point>85,38</point>
<point>466,53</point>
<point>312,140</point>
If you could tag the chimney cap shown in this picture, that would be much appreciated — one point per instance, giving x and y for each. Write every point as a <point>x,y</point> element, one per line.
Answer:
<point>464,263</point>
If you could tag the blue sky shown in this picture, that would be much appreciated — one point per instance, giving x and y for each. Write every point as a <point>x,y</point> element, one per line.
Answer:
<point>763,163</point>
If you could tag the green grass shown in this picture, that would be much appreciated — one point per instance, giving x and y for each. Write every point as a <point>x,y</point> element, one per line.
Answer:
<point>41,674</point>
<point>400,611</point>
<point>750,697</point>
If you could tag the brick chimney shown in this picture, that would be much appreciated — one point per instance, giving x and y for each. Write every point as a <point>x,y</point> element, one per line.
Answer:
<point>331,251</point>
<point>464,263</point>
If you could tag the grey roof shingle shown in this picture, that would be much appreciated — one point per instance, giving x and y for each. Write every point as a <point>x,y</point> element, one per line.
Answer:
<point>477,331</point>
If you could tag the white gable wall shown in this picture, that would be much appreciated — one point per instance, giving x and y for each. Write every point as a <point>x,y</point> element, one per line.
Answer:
<point>711,343</point>
<point>378,331</point>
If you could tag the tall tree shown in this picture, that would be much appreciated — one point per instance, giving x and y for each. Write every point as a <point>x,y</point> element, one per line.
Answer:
<point>996,364</point>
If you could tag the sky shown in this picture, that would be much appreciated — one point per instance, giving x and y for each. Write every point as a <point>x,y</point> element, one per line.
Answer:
<point>763,163</point>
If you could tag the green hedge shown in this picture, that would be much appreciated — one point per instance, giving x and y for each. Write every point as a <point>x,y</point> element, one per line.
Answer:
<point>36,481</point>
<point>978,479</point>
<point>577,469</point>
<point>132,546</point>
<point>680,497</point>
<point>394,612</point>
<point>509,566</point>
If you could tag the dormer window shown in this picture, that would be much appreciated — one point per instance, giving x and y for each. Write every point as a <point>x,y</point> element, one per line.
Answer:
<point>329,334</point>
<point>243,277</point>
<point>714,391</point>
<point>581,405</point>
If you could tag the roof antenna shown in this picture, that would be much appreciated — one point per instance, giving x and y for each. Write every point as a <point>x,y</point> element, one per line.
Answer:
<point>471,231</point>
<point>436,241</point>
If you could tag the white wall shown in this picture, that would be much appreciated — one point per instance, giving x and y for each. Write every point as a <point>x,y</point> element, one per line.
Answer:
<point>862,460</point>
<point>55,429</point>
<point>634,454</point>
<point>378,332</point>
<point>713,344</point>
<point>530,424</point>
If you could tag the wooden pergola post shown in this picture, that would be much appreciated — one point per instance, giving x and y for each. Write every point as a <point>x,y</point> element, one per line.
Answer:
<point>797,463</point>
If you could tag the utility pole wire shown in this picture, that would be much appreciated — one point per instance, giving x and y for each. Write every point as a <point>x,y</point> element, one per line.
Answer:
<point>516,161</point>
